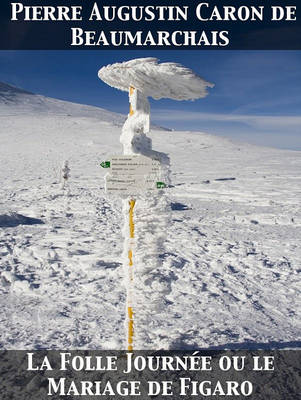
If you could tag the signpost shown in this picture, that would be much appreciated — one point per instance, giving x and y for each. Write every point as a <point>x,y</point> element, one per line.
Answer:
<point>132,175</point>
<point>139,171</point>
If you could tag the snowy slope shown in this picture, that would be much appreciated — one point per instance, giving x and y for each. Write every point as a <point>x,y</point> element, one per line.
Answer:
<point>216,259</point>
<point>14,100</point>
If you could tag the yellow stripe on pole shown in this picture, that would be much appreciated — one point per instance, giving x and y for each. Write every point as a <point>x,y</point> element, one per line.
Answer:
<point>130,255</point>
<point>130,329</point>
<point>131,218</point>
<point>131,108</point>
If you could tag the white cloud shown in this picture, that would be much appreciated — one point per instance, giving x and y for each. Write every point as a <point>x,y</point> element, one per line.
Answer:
<point>265,122</point>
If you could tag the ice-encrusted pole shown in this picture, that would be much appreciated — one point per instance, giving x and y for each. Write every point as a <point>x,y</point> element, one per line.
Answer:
<point>142,78</point>
<point>134,141</point>
<point>132,131</point>
<point>131,224</point>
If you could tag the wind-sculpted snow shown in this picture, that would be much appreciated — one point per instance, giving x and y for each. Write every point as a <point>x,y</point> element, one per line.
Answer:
<point>165,80</point>
<point>219,258</point>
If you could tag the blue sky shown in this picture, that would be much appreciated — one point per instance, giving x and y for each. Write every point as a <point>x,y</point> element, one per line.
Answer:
<point>256,98</point>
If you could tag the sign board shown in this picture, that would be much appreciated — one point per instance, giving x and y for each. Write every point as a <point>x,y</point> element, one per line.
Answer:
<point>132,175</point>
<point>134,165</point>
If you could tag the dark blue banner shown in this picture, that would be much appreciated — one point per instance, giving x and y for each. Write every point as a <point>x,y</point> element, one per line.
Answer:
<point>139,24</point>
<point>145,374</point>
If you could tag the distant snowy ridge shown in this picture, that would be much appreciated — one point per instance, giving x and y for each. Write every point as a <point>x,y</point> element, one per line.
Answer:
<point>9,92</point>
<point>14,100</point>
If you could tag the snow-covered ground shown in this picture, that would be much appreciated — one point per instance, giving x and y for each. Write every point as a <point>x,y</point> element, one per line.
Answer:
<point>216,261</point>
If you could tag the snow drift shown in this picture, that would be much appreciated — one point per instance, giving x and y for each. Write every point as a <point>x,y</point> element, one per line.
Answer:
<point>165,80</point>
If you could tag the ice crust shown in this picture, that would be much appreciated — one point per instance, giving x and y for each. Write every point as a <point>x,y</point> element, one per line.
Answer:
<point>165,80</point>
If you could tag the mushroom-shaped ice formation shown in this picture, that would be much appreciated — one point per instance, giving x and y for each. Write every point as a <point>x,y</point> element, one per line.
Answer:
<point>165,80</point>
<point>143,78</point>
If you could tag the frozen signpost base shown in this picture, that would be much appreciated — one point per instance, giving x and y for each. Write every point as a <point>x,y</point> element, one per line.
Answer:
<point>140,171</point>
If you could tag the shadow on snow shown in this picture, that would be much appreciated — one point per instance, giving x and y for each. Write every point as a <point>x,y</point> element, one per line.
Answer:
<point>13,219</point>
